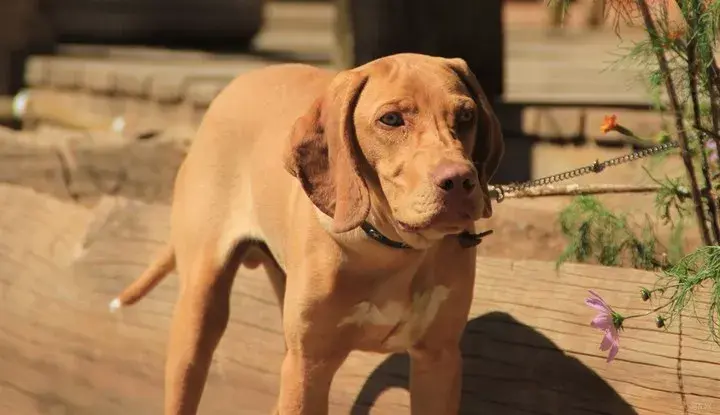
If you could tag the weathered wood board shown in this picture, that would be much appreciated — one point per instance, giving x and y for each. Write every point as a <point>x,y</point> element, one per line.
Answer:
<point>528,345</point>
<point>82,166</point>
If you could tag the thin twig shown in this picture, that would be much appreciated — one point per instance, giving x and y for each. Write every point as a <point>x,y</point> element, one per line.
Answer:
<point>676,110</point>
<point>714,111</point>
<point>709,133</point>
<point>576,190</point>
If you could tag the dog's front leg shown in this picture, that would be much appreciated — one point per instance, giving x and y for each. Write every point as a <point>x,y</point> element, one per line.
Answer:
<point>315,350</point>
<point>435,380</point>
<point>305,382</point>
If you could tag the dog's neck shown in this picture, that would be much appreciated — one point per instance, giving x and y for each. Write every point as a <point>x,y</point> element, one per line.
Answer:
<point>380,229</point>
<point>375,234</point>
<point>376,230</point>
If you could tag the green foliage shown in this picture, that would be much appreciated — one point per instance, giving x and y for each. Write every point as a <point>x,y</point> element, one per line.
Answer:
<point>682,282</point>
<point>596,234</point>
<point>672,197</point>
<point>675,250</point>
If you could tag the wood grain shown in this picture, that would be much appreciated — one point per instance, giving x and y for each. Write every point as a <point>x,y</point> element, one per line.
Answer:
<point>528,345</point>
<point>83,166</point>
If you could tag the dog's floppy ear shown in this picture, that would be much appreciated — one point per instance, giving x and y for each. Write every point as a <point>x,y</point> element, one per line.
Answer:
<point>489,144</point>
<point>324,154</point>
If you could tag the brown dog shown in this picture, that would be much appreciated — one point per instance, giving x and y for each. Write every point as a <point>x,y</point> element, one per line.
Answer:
<point>351,190</point>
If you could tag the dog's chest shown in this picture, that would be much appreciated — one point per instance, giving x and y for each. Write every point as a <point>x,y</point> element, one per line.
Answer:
<point>400,323</point>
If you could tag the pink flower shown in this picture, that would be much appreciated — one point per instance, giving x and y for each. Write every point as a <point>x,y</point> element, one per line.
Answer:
<point>608,321</point>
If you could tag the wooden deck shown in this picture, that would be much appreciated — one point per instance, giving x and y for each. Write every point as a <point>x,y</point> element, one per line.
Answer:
<point>528,346</point>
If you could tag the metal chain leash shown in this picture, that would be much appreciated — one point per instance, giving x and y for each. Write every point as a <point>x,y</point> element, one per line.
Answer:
<point>596,167</point>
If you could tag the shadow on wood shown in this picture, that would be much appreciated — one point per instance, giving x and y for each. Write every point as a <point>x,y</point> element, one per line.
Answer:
<point>509,368</point>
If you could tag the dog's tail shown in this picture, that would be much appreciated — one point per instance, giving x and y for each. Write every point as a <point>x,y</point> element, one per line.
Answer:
<point>163,265</point>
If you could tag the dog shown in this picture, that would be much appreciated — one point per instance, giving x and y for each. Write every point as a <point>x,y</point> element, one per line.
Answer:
<point>353,190</point>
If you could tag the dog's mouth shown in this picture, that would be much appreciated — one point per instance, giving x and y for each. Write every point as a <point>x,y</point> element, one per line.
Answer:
<point>439,217</point>
<point>413,228</point>
<point>438,223</point>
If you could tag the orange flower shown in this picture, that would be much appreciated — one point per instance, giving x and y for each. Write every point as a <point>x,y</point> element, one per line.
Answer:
<point>609,124</point>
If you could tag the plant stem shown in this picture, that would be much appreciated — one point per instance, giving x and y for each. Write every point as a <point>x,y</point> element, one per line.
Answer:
<point>712,73</point>
<point>663,289</point>
<point>693,79</point>
<point>576,189</point>
<point>676,110</point>
<point>713,80</point>
<point>714,107</point>
<point>654,310</point>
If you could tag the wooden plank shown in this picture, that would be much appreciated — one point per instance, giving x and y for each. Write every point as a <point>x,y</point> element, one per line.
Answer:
<point>528,344</point>
<point>539,67</point>
<point>91,111</point>
<point>85,166</point>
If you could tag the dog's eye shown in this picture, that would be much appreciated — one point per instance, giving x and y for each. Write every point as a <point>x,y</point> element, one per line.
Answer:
<point>465,115</point>
<point>392,119</point>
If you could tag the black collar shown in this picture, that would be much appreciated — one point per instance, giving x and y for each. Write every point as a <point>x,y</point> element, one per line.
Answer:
<point>375,234</point>
<point>466,239</point>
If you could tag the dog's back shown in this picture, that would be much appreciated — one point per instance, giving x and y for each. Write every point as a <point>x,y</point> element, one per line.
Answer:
<point>235,166</point>
<point>263,103</point>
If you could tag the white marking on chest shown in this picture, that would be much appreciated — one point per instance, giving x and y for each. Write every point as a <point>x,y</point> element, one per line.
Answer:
<point>413,319</point>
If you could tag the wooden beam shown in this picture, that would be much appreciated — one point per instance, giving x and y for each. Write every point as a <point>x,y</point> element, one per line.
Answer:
<point>528,345</point>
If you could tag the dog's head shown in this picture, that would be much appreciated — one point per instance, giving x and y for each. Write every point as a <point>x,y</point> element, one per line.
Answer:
<point>399,133</point>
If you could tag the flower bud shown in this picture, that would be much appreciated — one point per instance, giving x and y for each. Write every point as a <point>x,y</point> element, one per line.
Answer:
<point>659,322</point>
<point>645,294</point>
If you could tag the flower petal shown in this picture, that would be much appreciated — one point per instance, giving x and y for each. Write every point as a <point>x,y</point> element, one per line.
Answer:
<point>596,295</point>
<point>597,305</point>
<point>607,341</point>
<point>613,351</point>
<point>602,321</point>
<point>597,302</point>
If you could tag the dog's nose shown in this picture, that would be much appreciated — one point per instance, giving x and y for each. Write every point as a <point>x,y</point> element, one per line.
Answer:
<point>453,177</point>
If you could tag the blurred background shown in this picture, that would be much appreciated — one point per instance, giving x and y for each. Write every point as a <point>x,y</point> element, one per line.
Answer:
<point>149,67</point>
